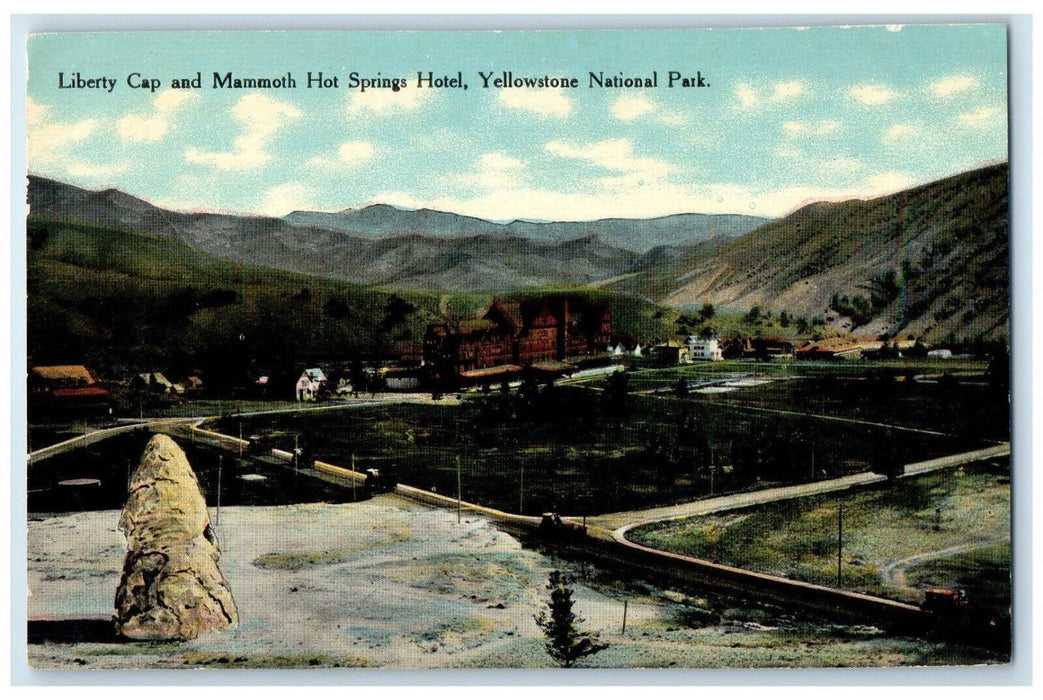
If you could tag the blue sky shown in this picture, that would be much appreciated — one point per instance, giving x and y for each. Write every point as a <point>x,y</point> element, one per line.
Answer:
<point>790,115</point>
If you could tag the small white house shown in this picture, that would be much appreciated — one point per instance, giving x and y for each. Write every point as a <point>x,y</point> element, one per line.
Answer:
<point>704,349</point>
<point>309,384</point>
<point>943,353</point>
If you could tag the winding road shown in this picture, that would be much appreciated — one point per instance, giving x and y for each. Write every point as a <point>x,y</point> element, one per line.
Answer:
<point>159,423</point>
<point>620,523</point>
<point>893,574</point>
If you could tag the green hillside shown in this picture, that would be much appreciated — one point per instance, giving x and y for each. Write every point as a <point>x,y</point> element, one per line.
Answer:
<point>121,301</point>
<point>932,261</point>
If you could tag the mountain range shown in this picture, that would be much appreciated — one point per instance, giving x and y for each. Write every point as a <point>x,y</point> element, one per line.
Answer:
<point>638,235</point>
<point>931,260</point>
<point>387,246</point>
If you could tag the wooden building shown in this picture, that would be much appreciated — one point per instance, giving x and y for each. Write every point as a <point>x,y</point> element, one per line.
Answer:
<point>516,334</point>
<point>66,388</point>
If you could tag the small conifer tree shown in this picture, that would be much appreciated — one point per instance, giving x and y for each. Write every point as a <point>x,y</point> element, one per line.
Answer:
<point>565,643</point>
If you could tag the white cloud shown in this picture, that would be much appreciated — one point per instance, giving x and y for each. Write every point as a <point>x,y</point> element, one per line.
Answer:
<point>95,170</point>
<point>350,154</point>
<point>155,125</point>
<point>629,107</point>
<point>747,96</point>
<point>635,201</point>
<point>952,85</point>
<point>263,115</point>
<point>785,91</point>
<point>260,118</point>
<point>170,100</point>
<point>779,92</point>
<point>48,142</point>
<point>898,132</point>
<point>52,145</point>
<point>495,171</point>
<point>385,101</point>
<point>820,128</point>
<point>871,94</point>
<point>886,183</point>
<point>287,197</point>
<point>895,27</point>
<point>499,161</point>
<point>548,102</point>
<point>135,127</point>
<point>35,113</point>
<point>615,155</point>
<point>355,152</point>
<point>979,117</point>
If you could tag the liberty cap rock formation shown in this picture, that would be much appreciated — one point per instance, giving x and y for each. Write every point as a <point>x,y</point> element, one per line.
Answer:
<point>171,587</point>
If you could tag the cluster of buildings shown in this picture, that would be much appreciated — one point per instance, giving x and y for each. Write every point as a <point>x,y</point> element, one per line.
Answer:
<point>57,388</point>
<point>548,335</point>
<point>705,349</point>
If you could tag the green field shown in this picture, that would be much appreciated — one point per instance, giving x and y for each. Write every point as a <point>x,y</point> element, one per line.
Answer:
<point>575,449</point>
<point>949,528</point>
<point>910,394</point>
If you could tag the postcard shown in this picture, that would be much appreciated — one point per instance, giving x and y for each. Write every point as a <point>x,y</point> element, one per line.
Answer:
<point>519,349</point>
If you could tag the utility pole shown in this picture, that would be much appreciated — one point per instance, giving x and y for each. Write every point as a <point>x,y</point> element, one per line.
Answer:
<point>296,436</point>
<point>521,491</point>
<point>625,601</point>
<point>240,438</point>
<point>812,459</point>
<point>354,481</point>
<point>458,490</point>
<point>840,538</point>
<point>220,462</point>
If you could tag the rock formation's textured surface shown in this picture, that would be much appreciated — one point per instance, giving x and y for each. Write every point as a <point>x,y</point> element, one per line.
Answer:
<point>171,587</point>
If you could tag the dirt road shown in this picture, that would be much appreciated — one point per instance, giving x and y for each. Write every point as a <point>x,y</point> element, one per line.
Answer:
<point>893,574</point>
<point>619,523</point>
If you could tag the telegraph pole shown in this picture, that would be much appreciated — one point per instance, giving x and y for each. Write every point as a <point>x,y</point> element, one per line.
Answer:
<point>220,462</point>
<point>521,491</point>
<point>458,490</point>
<point>840,538</point>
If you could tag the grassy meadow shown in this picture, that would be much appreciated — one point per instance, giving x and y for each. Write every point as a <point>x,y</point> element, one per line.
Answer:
<point>948,528</point>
